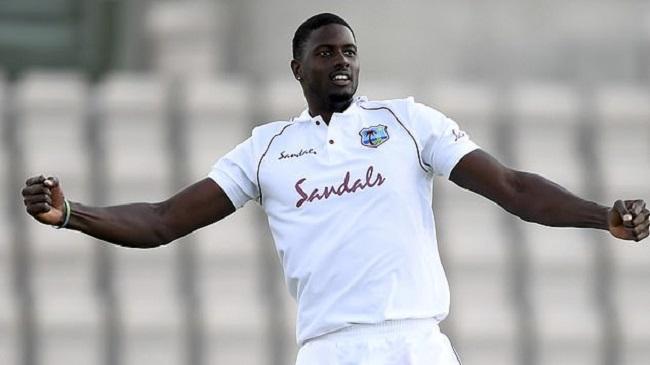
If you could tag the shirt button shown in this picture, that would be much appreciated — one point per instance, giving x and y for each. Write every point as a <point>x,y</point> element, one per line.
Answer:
<point>331,141</point>
<point>317,123</point>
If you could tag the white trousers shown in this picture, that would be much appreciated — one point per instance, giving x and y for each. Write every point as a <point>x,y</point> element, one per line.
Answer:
<point>403,342</point>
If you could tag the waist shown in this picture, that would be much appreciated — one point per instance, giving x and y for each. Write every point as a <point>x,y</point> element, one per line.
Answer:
<point>385,328</point>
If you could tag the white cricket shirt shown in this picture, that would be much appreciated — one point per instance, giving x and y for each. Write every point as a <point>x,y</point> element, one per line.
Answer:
<point>349,206</point>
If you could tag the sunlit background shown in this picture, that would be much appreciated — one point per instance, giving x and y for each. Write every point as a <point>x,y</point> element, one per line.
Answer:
<point>130,100</point>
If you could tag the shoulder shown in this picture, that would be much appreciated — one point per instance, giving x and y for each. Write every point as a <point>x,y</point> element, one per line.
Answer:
<point>270,128</point>
<point>396,105</point>
<point>265,132</point>
<point>408,110</point>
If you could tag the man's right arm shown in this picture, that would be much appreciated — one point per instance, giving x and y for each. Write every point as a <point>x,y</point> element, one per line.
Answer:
<point>138,225</point>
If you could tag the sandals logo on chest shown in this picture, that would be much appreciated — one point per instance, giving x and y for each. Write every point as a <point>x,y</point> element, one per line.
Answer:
<point>374,136</point>
<point>302,152</point>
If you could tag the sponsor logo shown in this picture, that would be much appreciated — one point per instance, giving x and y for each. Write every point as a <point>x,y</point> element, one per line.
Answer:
<point>458,134</point>
<point>302,152</point>
<point>374,136</point>
<point>346,187</point>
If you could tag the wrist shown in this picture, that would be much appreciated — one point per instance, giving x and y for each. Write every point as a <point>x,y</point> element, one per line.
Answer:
<point>607,224</point>
<point>67,211</point>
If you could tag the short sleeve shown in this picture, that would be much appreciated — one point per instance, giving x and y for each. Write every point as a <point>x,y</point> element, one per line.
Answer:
<point>443,142</point>
<point>235,174</point>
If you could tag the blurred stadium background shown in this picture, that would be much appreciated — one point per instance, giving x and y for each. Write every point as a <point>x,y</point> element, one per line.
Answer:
<point>131,100</point>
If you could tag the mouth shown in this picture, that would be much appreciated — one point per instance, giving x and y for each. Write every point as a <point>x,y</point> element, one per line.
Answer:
<point>341,78</point>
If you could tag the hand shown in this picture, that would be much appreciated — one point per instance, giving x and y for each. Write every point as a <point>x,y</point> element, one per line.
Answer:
<point>629,220</point>
<point>44,200</point>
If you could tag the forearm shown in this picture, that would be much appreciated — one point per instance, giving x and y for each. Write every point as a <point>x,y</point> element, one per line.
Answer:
<point>541,201</point>
<point>137,225</point>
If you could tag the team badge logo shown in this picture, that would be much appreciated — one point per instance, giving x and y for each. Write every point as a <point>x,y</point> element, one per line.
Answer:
<point>374,136</point>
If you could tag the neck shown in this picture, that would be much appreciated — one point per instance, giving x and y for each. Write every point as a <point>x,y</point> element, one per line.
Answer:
<point>325,108</point>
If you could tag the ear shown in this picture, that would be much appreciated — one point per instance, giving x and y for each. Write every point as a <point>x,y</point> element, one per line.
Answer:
<point>296,68</point>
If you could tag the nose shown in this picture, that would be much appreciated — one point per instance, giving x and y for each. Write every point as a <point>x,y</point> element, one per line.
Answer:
<point>341,60</point>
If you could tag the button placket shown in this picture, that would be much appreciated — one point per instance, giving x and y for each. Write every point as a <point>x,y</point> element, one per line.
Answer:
<point>332,134</point>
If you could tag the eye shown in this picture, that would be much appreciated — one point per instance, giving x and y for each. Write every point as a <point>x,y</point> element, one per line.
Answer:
<point>350,52</point>
<point>325,53</point>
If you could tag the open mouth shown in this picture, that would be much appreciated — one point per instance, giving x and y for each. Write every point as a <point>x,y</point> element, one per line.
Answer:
<point>340,78</point>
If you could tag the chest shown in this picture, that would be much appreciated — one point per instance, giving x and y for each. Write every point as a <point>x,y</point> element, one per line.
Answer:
<point>311,163</point>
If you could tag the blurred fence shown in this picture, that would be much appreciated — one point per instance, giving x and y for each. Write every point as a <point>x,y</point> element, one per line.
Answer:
<point>520,293</point>
<point>554,89</point>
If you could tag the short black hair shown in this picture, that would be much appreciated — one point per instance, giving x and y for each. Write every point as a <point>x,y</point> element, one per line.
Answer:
<point>311,24</point>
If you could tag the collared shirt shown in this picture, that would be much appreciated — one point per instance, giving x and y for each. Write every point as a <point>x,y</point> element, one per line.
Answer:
<point>349,207</point>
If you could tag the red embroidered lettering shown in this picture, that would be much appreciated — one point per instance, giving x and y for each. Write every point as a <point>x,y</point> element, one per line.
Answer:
<point>344,188</point>
<point>357,185</point>
<point>371,180</point>
<point>300,192</point>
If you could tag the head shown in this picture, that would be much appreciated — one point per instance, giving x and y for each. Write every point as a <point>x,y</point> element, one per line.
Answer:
<point>325,59</point>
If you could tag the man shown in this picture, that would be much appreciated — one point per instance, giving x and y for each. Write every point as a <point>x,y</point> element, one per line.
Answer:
<point>347,187</point>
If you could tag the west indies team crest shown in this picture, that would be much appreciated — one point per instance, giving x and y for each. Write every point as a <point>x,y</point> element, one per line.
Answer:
<point>374,136</point>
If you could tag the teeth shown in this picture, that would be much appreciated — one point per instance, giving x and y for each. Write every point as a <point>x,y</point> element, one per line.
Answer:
<point>340,77</point>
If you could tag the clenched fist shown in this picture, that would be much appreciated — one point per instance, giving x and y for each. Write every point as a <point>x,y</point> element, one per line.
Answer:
<point>629,220</point>
<point>44,200</point>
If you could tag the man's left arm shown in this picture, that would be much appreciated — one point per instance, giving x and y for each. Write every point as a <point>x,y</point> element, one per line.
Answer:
<point>536,199</point>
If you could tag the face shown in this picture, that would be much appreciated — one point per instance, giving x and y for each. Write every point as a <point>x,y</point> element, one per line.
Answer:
<point>329,68</point>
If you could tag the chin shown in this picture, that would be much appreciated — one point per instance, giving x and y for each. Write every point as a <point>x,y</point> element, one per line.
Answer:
<point>341,96</point>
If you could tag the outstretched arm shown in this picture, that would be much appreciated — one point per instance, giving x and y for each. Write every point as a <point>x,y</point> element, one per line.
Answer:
<point>536,199</point>
<point>138,225</point>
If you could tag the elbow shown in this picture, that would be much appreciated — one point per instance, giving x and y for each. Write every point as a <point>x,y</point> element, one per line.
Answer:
<point>516,199</point>
<point>163,231</point>
<point>525,200</point>
<point>159,236</point>
<point>526,218</point>
<point>163,238</point>
<point>167,234</point>
<point>169,225</point>
<point>520,210</point>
